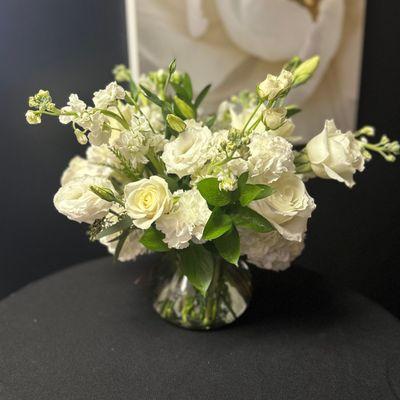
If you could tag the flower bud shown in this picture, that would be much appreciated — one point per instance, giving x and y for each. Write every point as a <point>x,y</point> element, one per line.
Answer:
<point>273,118</point>
<point>81,137</point>
<point>33,117</point>
<point>367,131</point>
<point>176,123</point>
<point>121,73</point>
<point>305,71</point>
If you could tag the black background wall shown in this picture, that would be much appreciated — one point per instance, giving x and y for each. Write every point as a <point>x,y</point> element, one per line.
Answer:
<point>70,46</point>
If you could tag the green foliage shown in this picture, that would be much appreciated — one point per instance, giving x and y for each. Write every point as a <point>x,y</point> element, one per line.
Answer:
<point>228,246</point>
<point>209,189</point>
<point>198,266</point>
<point>151,96</point>
<point>247,218</point>
<point>250,193</point>
<point>201,96</point>
<point>124,223</point>
<point>292,110</point>
<point>152,239</point>
<point>218,224</point>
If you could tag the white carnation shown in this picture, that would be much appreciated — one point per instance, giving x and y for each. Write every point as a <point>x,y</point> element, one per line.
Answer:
<point>189,151</point>
<point>79,167</point>
<point>270,156</point>
<point>105,97</point>
<point>77,202</point>
<point>186,220</point>
<point>269,250</point>
<point>288,208</point>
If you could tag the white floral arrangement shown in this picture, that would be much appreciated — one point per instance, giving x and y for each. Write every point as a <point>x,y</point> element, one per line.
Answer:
<point>161,176</point>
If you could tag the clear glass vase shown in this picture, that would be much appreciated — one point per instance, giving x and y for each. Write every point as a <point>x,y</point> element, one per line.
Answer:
<point>227,297</point>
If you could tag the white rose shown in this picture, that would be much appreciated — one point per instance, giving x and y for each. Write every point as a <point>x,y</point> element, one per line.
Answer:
<point>189,151</point>
<point>77,202</point>
<point>269,250</point>
<point>288,208</point>
<point>104,97</point>
<point>131,248</point>
<point>79,167</point>
<point>273,85</point>
<point>270,156</point>
<point>186,220</point>
<point>335,155</point>
<point>146,200</point>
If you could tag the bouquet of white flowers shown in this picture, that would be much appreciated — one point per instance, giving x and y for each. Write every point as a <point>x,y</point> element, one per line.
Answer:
<point>209,190</point>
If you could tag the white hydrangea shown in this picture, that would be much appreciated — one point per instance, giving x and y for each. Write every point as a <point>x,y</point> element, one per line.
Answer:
<point>269,250</point>
<point>77,202</point>
<point>189,151</point>
<point>288,208</point>
<point>105,97</point>
<point>270,156</point>
<point>79,167</point>
<point>131,248</point>
<point>186,220</point>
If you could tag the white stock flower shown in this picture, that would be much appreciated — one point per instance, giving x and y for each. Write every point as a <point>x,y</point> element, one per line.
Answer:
<point>33,118</point>
<point>146,200</point>
<point>273,85</point>
<point>186,220</point>
<point>74,105</point>
<point>105,97</point>
<point>132,145</point>
<point>270,156</point>
<point>288,208</point>
<point>79,167</point>
<point>269,250</point>
<point>77,202</point>
<point>131,248</point>
<point>99,134</point>
<point>335,155</point>
<point>189,151</point>
<point>101,155</point>
<point>230,172</point>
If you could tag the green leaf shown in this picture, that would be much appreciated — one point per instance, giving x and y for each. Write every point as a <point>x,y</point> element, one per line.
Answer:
<point>209,189</point>
<point>116,117</point>
<point>292,110</point>
<point>248,193</point>
<point>209,122</point>
<point>218,224</point>
<point>250,219</point>
<point>242,180</point>
<point>198,266</point>
<point>228,246</point>
<point>201,96</point>
<point>151,96</point>
<point>186,110</point>
<point>175,123</point>
<point>187,86</point>
<point>124,223</point>
<point>121,240</point>
<point>292,64</point>
<point>152,239</point>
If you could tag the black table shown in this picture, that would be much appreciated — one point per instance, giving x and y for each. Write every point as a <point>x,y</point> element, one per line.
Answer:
<point>89,332</point>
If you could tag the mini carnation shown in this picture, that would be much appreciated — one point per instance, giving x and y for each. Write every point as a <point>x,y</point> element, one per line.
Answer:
<point>105,97</point>
<point>269,250</point>
<point>270,156</point>
<point>186,220</point>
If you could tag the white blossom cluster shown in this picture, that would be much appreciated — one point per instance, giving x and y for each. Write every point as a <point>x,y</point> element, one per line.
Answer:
<point>149,153</point>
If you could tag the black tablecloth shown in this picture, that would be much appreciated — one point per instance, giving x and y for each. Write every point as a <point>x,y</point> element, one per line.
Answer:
<point>90,333</point>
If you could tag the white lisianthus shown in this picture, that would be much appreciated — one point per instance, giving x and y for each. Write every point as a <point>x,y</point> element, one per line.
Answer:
<point>273,85</point>
<point>335,155</point>
<point>74,105</point>
<point>146,200</point>
<point>77,202</point>
<point>186,220</point>
<point>79,167</point>
<point>269,250</point>
<point>189,151</point>
<point>270,156</point>
<point>105,97</point>
<point>273,118</point>
<point>288,208</point>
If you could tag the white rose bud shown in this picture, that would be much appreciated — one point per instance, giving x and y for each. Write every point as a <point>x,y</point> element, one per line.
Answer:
<point>77,201</point>
<point>273,85</point>
<point>146,200</point>
<point>273,118</point>
<point>335,155</point>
